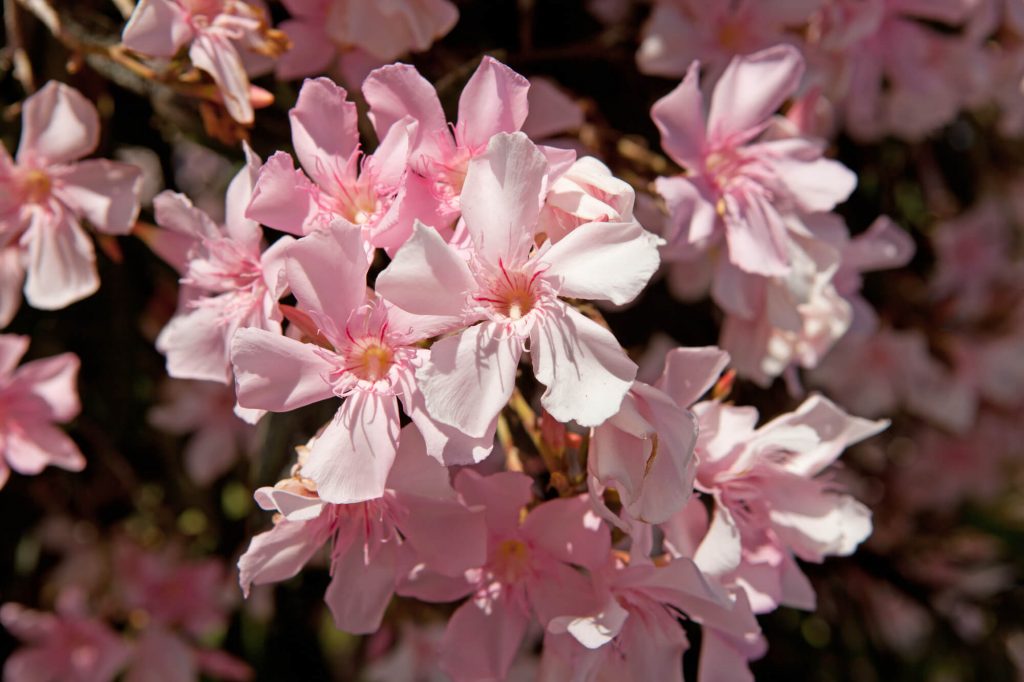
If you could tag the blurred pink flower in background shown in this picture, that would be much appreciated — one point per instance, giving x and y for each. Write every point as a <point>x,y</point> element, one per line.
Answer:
<point>45,195</point>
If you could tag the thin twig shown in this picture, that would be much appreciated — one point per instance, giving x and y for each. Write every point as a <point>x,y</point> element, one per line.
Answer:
<point>19,57</point>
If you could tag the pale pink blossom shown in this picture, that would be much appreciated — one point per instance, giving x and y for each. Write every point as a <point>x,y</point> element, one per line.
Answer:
<point>69,647</point>
<point>646,450</point>
<point>223,38</point>
<point>190,597</point>
<point>494,100</point>
<point>352,36</point>
<point>529,573</point>
<point>771,503</point>
<point>714,31</point>
<point>33,398</point>
<point>44,196</point>
<point>204,411</point>
<point>230,279</point>
<point>552,111</point>
<point>509,293</point>
<point>974,465</point>
<point>587,192</point>
<point>776,323</point>
<point>739,185</point>
<point>341,184</point>
<point>875,372</point>
<point>886,69</point>
<point>634,633</point>
<point>418,524</point>
<point>974,259</point>
<point>364,351</point>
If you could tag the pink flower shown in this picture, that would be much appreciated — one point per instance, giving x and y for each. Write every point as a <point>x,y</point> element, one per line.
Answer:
<point>218,33</point>
<point>681,31</point>
<point>636,634</point>
<point>188,596</point>
<point>587,192</point>
<point>44,196</point>
<point>351,33</point>
<point>774,324</point>
<point>230,280</point>
<point>528,572</point>
<point>204,411</point>
<point>509,292</point>
<point>769,503</point>
<point>737,186</point>
<point>876,372</point>
<point>364,351</point>
<point>340,183</point>
<point>419,523</point>
<point>32,398</point>
<point>646,451</point>
<point>63,646</point>
<point>493,101</point>
<point>887,70</point>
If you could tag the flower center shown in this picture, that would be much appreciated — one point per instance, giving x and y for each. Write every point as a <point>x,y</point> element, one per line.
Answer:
<point>511,295</point>
<point>36,186</point>
<point>370,360</point>
<point>511,560</point>
<point>732,36</point>
<point>358,203</point>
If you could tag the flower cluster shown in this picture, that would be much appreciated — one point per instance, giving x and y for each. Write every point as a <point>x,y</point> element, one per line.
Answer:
<point>446,288</point>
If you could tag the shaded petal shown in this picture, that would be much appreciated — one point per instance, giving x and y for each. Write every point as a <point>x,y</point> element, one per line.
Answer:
<point>12,348</point>
<point>361,589</point>
<point>281,552</point>
<point>482,638</point>
<point>493,101</point>
<point>679,116</point>
<point>106,193</point>
<point>53,381</point>
<point>327,272</point>
<point>214,53</point>
<point>398,90</point>
<point>690,372</point>
<point>158,28</point>
<point>757,237</point>
<point>569,530</point>
<point>469,377</point>
<point>446,536</point>
<point>31,448</point>
<point>692,215</point>
<point>196,344</point>
<point>502,496</point>
<point>751,89</point>
<point>351,459</point>
<point>58,125</point>
<point>283,197</point>
<point>12,278</point>
<point>324,130</point>
<point>427,277</point>
<point>276,373</point>
<point>61,261</point>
